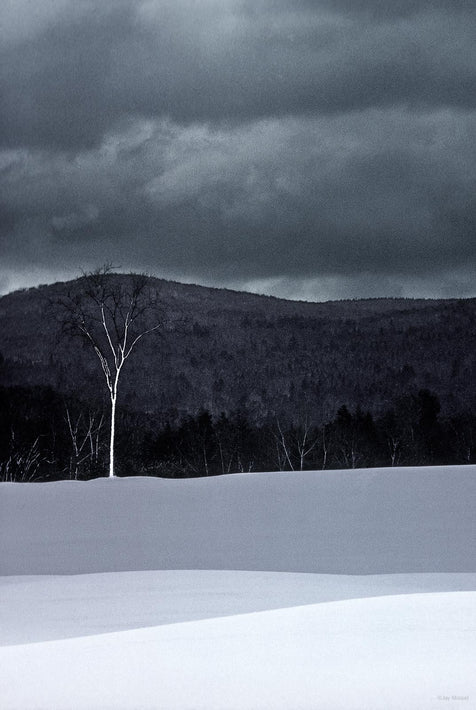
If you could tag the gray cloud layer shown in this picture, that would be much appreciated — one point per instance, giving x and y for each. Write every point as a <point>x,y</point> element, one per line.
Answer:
<point>312,149</point>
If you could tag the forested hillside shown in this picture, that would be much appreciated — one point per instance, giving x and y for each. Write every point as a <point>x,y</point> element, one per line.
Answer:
<point>229,367</point>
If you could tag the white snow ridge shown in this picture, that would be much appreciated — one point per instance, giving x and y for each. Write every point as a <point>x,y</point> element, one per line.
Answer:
<point>325,590</point>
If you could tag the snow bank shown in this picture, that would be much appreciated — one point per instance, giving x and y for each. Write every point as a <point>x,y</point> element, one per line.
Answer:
<point>216,594</point>
<point>384,653</point>
<point>340,522</point>
<point>38,608</point>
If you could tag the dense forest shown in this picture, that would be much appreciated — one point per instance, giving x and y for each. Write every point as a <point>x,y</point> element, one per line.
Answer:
<point>45,436</point>
<point>238,382</point>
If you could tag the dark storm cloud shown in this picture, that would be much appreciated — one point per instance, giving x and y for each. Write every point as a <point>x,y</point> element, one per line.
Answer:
<point>301,198</point>
<point>393,8</point>
<point>77,77</point>
<point>296,147</point>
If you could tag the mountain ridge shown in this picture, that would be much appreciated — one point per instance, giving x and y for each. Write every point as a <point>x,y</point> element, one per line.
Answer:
<point>237,350</point>
<point>397,301</point>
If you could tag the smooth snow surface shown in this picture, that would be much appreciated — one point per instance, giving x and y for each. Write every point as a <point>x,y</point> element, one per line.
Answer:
<point>350,590</point>
<point>385,653</point>
<point>48,608</point>
<point>373,521</point>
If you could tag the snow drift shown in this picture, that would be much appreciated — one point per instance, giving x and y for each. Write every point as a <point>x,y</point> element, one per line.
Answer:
<point>387,653</point>
<point>345,590</point>
<point>372,521</point>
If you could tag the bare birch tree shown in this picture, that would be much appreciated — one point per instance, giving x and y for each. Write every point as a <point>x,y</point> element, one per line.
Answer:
<point>84,433</point>
<point>112,313</point>
<point>296,443</point>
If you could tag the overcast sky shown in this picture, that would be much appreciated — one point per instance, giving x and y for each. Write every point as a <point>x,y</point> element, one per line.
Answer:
<point>309,149</point>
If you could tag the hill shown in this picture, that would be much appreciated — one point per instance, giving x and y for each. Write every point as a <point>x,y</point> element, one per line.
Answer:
<point>227,350</point>
<point>237,381</point>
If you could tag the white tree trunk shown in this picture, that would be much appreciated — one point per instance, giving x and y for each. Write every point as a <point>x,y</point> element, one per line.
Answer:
<point>113,433</point>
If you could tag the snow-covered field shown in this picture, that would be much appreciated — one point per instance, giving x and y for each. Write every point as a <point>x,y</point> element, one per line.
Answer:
<point>318,590</point>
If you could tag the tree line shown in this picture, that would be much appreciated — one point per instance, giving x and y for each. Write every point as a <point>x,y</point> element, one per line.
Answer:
<point>47,436</point>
